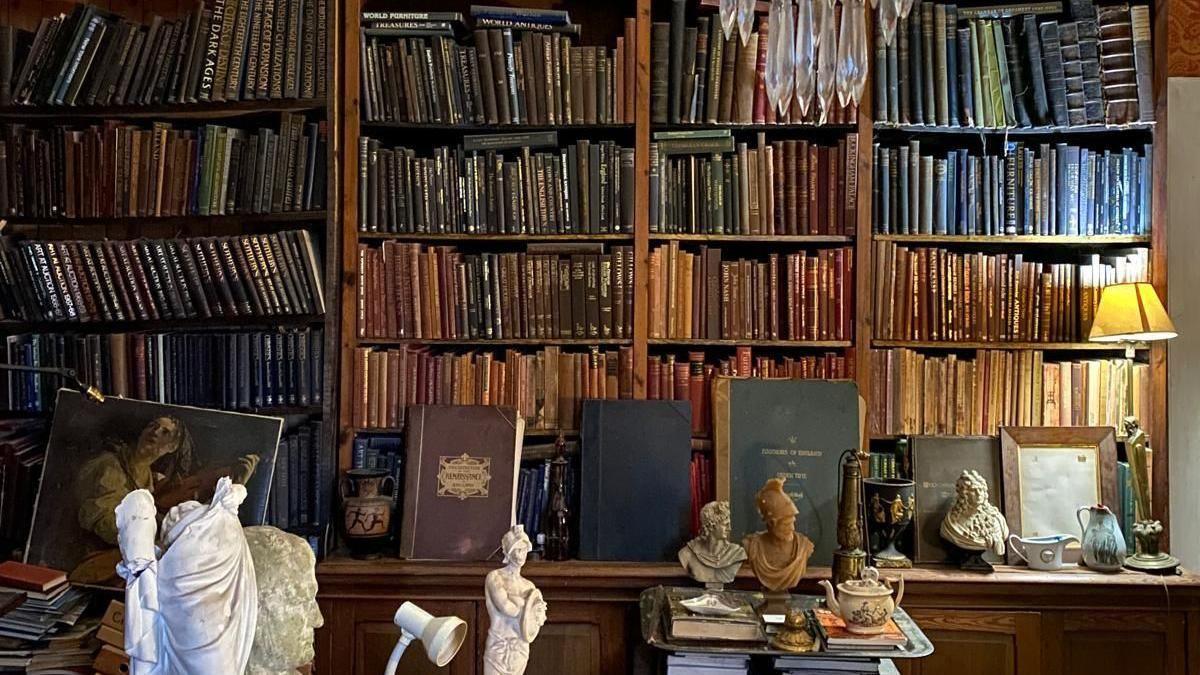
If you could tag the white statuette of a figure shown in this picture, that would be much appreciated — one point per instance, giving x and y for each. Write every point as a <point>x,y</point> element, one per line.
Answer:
<point>515,608</point>
<point>193,609</point>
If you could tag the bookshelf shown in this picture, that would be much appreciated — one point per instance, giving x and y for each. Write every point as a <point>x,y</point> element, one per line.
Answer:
<point>320,222</point>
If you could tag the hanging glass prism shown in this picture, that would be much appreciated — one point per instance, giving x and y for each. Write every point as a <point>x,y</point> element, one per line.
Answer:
<point>745,20</point>
<point>729,15</point>
<point>826,57</point>
<point>806,75</point>
<point>779,76</point>
<point>888,18</point>
<point>852,52</point>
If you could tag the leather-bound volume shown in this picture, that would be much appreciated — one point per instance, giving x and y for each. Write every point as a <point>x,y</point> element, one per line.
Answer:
<point>1118,74</point>
<point>796,429</point>
<point>460,480</point>
<point>744,81</point>
<point>635,461</point>
<point>1143,60</point>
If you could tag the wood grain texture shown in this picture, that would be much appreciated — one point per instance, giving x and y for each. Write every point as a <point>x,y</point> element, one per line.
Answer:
<point>1160,491</point>
<point>641,196</point>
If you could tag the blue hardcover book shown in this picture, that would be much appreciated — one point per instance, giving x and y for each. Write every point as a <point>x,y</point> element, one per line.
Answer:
<point>636,459</point>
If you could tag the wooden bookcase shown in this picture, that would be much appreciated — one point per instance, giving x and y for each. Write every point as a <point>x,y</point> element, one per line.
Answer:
<point>323,224</point>
<point>599,19</point>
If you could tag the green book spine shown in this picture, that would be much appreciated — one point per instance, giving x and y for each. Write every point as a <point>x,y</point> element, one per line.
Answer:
<point>995,84</point>
<point>979,110</point>
<point>1006,92</point>
<point>210,143</point>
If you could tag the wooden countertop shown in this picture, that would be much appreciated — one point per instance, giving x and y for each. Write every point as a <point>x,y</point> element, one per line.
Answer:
<point>344,577</point>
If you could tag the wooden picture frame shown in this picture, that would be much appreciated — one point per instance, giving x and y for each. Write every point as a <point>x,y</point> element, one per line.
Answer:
<point>1080,464</point>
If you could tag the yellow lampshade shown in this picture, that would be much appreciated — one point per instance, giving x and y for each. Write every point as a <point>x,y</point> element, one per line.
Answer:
<point>1131,313</point>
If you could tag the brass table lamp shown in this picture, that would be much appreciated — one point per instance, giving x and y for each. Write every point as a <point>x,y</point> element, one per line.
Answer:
<point>1131,313</point>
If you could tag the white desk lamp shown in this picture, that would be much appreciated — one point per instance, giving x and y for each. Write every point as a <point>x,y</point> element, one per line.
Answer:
<point>442,636</point>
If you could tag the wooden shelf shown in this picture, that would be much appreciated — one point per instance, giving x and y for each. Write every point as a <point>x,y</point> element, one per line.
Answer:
<point>227,323</point>
<point>795,344</point>
<point>735,127</point>
<point>492,128</point>
<point>1145,127</point>
<point>505,342</point>
<point>177,221</point>
<point>177,111</point>
<point>1019,239</point>
<point>757,238</point>
<point>436,237</point>
<point>529,433</point>
<point>1043,346</point>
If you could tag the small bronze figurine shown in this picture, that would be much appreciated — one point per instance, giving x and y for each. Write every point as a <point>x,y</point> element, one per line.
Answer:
<point>711,558</point>
<point>779,555</point>
<point>558,513</point>
<point>795,635</point>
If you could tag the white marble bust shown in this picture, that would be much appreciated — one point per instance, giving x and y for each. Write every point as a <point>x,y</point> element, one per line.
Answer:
<point>711,558</point>
<point>285,569</point>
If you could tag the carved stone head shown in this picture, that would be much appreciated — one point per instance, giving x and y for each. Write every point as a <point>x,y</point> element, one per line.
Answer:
<point>714,521</point>
<point>285,568</point>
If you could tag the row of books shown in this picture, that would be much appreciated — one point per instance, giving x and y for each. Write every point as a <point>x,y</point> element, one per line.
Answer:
<point>231,371</point>
<point>704,490</point>
<point>223,50</point>
<point>915,393</point>
<point>1056,189</point>
<point>117,170</point>
<point>941,295</point>
<point>668,378</point>
<point>437,292</point>
<point>546,387</point>
<point>381,451</point>
<point>697,76</point>
<point>701,183</point>
<point>160,279</point>
<point>22,454</point>
<point>508,72</point>
<point>497,184</point>
<point>1017,71</point>
<point>302,487</point>
<point>797,296</point>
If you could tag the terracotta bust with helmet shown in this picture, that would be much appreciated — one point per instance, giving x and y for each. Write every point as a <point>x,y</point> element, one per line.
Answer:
<point>780,554</point>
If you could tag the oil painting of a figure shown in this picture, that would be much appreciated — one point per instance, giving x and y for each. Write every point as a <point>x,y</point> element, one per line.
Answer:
<point>100,452</point>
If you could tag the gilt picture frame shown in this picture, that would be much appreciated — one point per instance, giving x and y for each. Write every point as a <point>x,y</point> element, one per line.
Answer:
<point>1049,472</point>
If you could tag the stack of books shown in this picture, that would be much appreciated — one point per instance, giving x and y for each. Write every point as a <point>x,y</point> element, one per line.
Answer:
<point>835,637</point>
<point>685,663</point>
<point>831,665</point>
<point>51,603</point>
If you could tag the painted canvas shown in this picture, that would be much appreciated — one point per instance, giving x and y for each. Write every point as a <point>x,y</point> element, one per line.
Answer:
<point>99,452</point>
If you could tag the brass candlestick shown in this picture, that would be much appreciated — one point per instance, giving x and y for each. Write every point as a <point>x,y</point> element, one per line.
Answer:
<point>850,557</point>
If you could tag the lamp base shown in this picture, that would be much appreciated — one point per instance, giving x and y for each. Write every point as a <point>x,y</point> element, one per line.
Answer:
<point>1162,563</point>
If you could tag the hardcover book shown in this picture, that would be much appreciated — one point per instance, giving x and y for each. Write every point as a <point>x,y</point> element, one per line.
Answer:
<point>937,462</point>
<point>796,429</point>
<point>460,481</point>
<point>635,487</point>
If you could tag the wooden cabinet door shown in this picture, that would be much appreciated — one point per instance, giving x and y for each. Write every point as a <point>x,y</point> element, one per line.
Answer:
<point>980,643</point>
<point>363,635</point>
<point>1113,642</point>
<point>578,639</point>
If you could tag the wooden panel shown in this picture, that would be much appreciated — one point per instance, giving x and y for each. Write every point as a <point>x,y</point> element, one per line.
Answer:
<point>983,643</point>
<point>579,638</point>
<point>375,635</point>
<point>1112,643</point>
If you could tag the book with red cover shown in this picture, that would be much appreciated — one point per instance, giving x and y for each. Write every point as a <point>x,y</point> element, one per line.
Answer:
<point>30,577</point>
<point>460,480</point>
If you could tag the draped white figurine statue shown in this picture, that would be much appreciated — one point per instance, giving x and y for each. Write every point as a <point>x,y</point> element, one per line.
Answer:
<point>191,605</point>
<point>515,608</point>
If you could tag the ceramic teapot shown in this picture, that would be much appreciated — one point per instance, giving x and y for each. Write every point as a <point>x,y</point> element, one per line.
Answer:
<point>1041,553</point>
<point>1103,543</point>
<point>864,604</point>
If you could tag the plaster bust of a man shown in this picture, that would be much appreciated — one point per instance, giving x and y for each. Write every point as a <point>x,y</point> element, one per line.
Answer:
<point>711,558</point>
<point>973,524</point>
<point>285,568</point>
